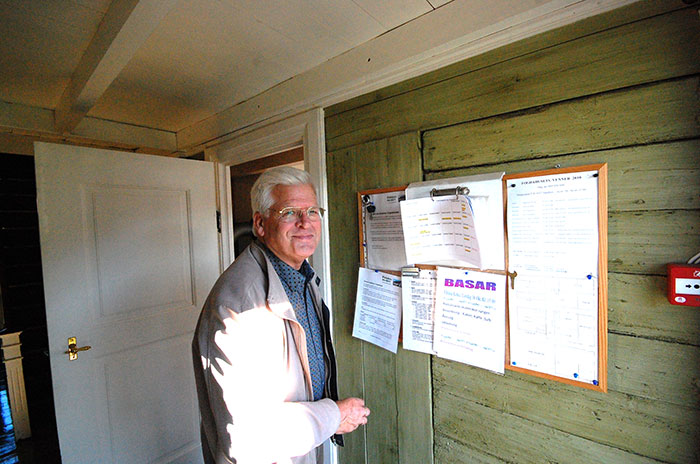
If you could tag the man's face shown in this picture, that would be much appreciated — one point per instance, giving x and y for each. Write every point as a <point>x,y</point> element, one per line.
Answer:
<point>293,241</point>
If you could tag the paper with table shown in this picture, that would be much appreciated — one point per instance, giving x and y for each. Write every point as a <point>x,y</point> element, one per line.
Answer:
<point>440,230</point>
<point>418,301</point>
<point>482,208</point>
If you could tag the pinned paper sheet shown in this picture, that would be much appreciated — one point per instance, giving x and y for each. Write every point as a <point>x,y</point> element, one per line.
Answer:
<point>418,295</point>
<point>440,231</point>
<point>383,231</point>
<point>470,318</point>
<point>486,201</point>
<point>378,309</point>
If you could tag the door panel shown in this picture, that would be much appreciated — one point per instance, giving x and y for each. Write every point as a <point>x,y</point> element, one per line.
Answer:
<point>142,248</point>
<point>131,395</point>
<point>129,252</point>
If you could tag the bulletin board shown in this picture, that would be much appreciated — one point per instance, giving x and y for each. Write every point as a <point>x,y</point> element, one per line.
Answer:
<point>555,248</point>
<point>557,307</point>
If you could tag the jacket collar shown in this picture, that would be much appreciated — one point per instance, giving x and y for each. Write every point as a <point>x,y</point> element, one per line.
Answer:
<point>276,296</point>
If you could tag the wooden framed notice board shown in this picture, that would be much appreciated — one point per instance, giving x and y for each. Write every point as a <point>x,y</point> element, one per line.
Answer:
<point>556,241</point>
<point>555,245</point>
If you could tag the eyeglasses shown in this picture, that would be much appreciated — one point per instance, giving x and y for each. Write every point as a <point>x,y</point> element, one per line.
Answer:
<point>291,214</point>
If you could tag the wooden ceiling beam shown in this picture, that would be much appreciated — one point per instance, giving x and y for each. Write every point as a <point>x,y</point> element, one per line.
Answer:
<point>125,27</point>
<point>26,120</point>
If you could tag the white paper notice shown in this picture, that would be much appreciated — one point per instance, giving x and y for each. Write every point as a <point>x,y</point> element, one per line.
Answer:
<point>554,326</point>
<point>553,308</point>
<point>378,309</point>
<point>383,231</point>
<point>470,318</point>
<point>418,307</point>
<point>564,236</point>
<point>440,231</point>
<point>486,196</point>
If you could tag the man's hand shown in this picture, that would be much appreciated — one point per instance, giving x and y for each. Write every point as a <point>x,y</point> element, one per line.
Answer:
<point>353,413</point>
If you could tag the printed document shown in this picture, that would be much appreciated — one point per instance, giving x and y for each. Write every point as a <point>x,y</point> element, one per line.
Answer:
<point>486,199</point>
<point>470,310</point>
<point>378,309</point>
<point>383,231</point>
<point>418,307</point>
<point>440,230</point>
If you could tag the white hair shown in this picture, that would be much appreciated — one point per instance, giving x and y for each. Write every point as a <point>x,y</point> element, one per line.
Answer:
<point>261,197</point>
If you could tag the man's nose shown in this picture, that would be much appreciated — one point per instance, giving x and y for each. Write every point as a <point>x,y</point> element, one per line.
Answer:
<point>303,218</point>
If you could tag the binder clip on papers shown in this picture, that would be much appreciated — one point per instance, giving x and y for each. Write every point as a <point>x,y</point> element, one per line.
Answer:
<point>457,191</point>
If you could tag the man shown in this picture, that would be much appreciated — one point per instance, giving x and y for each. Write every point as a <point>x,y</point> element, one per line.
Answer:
<point>264,363</point>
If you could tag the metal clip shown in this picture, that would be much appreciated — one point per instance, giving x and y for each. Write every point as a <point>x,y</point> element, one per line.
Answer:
<point>457,191</point>
<point>410,271</point>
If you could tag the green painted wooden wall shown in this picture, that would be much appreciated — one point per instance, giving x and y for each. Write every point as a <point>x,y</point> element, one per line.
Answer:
<point>621,88</point>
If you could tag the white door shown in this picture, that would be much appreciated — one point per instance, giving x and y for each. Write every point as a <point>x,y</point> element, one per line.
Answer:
<point>129,252</point>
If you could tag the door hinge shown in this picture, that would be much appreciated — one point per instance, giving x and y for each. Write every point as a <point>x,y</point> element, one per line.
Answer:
<point>218,221</point>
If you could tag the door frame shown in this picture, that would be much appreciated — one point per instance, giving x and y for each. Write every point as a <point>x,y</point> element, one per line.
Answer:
<point>305,129</point>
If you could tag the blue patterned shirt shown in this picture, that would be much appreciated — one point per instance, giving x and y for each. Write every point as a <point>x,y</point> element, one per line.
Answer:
<point>296,286</point>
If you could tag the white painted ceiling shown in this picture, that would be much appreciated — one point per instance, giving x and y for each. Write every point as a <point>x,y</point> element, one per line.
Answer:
<point>202,57</point>
<point>188,67</point>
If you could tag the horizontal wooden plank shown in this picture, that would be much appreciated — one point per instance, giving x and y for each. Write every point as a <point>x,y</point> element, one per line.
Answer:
<point>456,452</point>
<point>21,140</point>
<point>646,177</point>
<point>640,52</point>
<point>390,162</point>
<point>653,369</point>
<point>613,119</point>
<point>635,12</point>
<point>513,438</point>
<point>643,242</point>
<point>38,123</point>
<point>637,306</point>
<point>651,428</point>
<point>15,144</point>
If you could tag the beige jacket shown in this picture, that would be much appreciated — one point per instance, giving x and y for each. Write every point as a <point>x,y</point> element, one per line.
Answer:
<point>252,374</point>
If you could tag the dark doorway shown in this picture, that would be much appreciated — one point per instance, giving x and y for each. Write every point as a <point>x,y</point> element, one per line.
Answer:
<point>22,305</point>
<point>243,176</point>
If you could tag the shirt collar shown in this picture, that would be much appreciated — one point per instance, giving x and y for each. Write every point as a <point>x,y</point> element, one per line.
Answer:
<point>291,277</point>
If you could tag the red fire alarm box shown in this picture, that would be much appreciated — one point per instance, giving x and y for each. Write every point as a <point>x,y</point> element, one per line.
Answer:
<point>684,284</point>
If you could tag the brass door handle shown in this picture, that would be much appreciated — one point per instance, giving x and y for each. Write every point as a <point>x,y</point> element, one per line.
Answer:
<point>73,349</point>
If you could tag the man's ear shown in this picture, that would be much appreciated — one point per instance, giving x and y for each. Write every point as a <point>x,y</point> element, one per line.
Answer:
<point>258,224</point>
